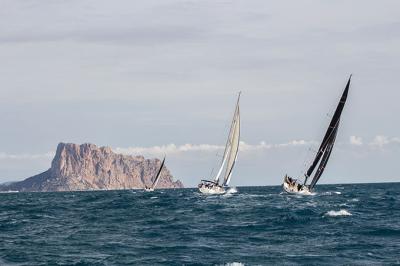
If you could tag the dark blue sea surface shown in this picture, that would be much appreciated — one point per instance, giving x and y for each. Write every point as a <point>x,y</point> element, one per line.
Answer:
<point>341,224</point>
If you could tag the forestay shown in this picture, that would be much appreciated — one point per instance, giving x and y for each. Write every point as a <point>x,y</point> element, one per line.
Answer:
<point>326,147</point>
<point>231,148</point>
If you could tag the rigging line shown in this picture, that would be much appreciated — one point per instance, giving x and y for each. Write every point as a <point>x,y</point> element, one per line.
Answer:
<point>333,125</point>
<point>325,143</point>
<point>324,160</point>
<point>237,125</point>
<point>211,173</point>
<point>231,122</point>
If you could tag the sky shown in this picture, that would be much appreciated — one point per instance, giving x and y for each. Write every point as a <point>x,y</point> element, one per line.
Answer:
<point>162,77</point>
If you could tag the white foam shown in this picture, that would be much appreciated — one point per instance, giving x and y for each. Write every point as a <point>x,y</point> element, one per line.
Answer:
<point>154,198</point>
<point>329,193</point>
<point>342,212</point>
<point>234,264</point>
<point>231,190</point>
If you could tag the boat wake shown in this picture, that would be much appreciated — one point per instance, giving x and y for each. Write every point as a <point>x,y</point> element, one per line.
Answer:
<point>342,212</point>
<point>231,190</point>
<point>330,193</point>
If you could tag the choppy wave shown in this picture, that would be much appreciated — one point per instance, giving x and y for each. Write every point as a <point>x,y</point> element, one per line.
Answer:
<point>258,226</point>
<point>232,190</point>
<point>341,212</point>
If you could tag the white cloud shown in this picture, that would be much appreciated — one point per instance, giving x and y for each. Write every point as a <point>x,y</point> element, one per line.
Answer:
<point>168,149</point>
<point>25,156</point>
<point>173,148</point>
<point>381,141</point>
<point>357,141</point>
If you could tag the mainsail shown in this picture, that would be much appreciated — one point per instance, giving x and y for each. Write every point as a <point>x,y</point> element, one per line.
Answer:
<point>328,141</point>
<point>158,174</point>
<point>231,148</point>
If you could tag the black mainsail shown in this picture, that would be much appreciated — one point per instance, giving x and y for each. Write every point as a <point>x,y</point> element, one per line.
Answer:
<point>158,175</point>
<point>328,141</point>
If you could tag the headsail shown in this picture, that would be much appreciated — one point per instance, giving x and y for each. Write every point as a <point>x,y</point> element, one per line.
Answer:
<point>324,159</point>
<point>234,139</point>
<point>231,148</point>
<point>328,140</point>
<point>158,174</point>
<point>216,179</point>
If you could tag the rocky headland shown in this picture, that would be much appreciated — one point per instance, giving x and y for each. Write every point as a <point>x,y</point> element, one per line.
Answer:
<point>88,167</point>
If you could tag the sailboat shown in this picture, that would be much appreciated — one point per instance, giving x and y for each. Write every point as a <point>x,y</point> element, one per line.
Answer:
<point>292,185</point>
<point>153,186</point>
<point>228,160</point>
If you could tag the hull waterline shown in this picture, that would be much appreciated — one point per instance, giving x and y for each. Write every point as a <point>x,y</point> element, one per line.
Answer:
<point>214,190</point>
<point>296,189</point>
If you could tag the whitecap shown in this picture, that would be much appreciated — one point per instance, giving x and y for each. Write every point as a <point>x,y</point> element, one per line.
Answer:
<point>231,190</point>
<point>342,212</point>
<point>355,200</point>
<point>154,198</point>
<point>234,264</point>
<point>312,204</point>
<point>338,192</point>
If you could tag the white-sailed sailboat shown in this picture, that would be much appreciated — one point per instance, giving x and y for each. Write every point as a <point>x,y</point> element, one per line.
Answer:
<point>153,186</point>
<point>293,186</point>
<point>228,160</point>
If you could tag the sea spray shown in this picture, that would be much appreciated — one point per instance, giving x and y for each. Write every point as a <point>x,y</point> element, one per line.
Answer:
<point>342,212</point>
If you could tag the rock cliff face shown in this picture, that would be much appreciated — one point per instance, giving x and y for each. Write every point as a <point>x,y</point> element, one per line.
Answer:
<point>88,167</point>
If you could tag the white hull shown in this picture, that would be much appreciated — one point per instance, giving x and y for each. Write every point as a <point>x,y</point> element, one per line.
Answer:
<point>149,189</point>
<point>212,190</point>
<point>296,189</point>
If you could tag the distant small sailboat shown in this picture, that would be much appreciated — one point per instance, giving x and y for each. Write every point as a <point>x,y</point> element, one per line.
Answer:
<point>153,186</point>
<point>228,160</point>
<point>291,185</point>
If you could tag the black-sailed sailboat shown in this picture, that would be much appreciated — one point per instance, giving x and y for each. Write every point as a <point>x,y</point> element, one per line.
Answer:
<point>292,185</point>
<point>155,182</point>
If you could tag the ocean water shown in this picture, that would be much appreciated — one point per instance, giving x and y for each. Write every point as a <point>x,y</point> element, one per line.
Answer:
<point>341,224</point>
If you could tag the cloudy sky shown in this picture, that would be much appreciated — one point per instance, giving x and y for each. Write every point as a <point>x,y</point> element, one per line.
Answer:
<point>155,77</point>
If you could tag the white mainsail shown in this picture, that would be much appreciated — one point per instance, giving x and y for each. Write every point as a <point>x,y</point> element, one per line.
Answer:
<point>231,148</point>
<point>234,146</point>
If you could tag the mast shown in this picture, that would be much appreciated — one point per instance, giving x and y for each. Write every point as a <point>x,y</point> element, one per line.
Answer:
<point>332,130</point>
<point>221,168</point>
<point>234,138</point>
<point>228,145</point>
<point>158,174</point>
